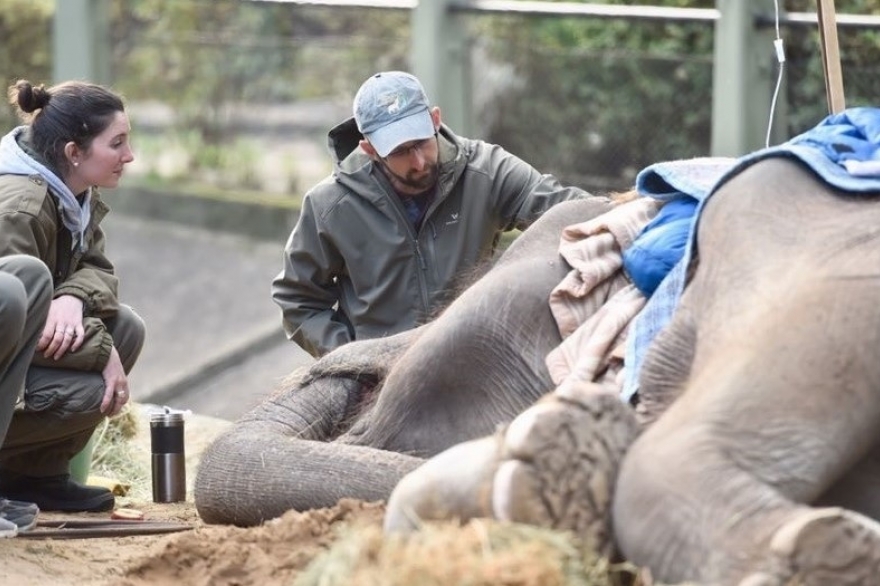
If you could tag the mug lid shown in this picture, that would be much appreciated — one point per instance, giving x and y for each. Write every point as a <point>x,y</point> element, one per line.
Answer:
<point>167,415</point>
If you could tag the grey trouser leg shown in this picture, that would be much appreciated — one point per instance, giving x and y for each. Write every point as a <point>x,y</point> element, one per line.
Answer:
<point>25,296</point>
<point>62,407</point>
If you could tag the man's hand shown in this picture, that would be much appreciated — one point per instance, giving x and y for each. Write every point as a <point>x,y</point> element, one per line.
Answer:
<point>64,330</point>
<point>115,385</point>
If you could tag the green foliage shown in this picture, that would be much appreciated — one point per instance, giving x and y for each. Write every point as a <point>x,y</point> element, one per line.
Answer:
<point>217,64</point>
<point>205,57</point>
<point>25,46</point>
<point>594,100</point>
<point>806,81</point>
<point>598,99</point>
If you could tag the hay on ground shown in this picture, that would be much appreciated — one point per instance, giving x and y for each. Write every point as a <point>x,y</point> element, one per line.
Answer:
<point>480,553</point>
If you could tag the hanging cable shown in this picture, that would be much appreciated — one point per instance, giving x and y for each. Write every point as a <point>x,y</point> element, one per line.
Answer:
<point>780,57</point>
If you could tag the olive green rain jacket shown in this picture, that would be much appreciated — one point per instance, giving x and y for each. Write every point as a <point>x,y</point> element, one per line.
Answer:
<point>356,268</point>
<point>30,224</point>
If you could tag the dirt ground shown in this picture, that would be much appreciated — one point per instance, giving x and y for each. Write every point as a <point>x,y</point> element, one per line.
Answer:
<point>200,555</point>
<point>281,551</point>
<point>272,554</point>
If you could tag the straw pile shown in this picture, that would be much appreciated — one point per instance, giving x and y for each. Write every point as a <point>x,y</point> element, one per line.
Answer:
<point>480,553</point>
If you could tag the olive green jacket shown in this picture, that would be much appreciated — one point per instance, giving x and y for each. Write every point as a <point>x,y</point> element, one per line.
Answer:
<point>355,266</point>
<point>30,224</point>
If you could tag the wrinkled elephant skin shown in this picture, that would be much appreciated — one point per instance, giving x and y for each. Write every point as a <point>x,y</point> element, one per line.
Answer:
<point>370,412</point>
<point>757,464</point>
<point>772,363</point>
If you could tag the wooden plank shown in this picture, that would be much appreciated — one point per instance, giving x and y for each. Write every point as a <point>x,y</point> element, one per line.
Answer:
<point>831,56</point>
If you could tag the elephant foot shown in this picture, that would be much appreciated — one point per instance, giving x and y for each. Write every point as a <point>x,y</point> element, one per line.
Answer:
<point>560,461</point>
<point>454,484</point>
<point>823,546</point>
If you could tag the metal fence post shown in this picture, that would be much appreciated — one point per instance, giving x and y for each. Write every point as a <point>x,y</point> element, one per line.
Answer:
<point>441,61</point>
<point>80,41</point>
<point>744,76</point>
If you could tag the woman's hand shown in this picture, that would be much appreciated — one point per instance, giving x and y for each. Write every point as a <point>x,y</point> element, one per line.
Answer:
<point>64,330</point>
<point>115,385</point>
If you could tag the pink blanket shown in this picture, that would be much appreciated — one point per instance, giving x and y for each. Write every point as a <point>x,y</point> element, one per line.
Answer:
<point>595,302</point>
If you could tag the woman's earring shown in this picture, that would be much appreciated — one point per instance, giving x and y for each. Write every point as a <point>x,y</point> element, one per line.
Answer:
<point>76,163</point>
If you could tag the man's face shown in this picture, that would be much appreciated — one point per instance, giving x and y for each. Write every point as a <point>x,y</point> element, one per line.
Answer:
<point>413,166</point>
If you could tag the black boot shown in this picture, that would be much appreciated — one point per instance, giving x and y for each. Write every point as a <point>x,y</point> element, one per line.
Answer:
<point>56,493</point>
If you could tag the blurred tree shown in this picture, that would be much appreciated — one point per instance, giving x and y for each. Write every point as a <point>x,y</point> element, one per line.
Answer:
<point>199,57</point>
<point>595,100</point>
<point>592,100</point>
<point>203,56</point>
<point>806,79</point>
<point>598,99</point>
<point>25,46</point>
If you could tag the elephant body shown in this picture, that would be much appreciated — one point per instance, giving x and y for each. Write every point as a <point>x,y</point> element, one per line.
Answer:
<point>756,462</point>
<point>766,382</point>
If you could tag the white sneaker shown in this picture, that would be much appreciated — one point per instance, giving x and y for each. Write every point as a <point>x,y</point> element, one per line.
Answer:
<point>21,514</point>
<point>7,528</point>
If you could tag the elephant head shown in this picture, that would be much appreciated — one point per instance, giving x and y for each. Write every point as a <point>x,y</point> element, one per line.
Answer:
<point>371,411</point>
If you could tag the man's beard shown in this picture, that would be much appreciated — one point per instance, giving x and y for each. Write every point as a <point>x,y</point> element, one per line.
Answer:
<point>422,183</point>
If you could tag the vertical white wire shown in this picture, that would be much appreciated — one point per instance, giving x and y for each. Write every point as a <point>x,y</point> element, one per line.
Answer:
<point>780,57</point>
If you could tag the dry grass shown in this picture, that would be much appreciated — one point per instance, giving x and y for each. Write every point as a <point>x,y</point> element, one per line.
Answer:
<point>114,454</point>
<point>480,553</point>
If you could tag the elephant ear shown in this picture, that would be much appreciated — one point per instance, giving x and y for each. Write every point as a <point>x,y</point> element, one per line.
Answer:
<point>667,367</point>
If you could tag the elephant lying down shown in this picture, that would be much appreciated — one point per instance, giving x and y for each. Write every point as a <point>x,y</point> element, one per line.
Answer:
<point>371,411</point>
<point>760,466</point>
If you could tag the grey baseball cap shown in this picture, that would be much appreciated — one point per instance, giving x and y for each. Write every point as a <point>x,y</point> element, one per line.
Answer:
<point>391,108</point>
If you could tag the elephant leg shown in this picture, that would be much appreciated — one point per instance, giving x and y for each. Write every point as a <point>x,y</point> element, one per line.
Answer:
<point>553,466</point>
<point>764,427</point>
<point>817,547</point>
<point>857,490</point>
<point>818,543</point>
<point>454,484</point>
<point>560,464</point>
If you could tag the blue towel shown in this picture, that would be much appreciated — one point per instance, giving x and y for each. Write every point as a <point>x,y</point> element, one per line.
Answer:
<point>660,245</point>
<point>838,142</point>
<point>687,179</point>
<point>692,177</point>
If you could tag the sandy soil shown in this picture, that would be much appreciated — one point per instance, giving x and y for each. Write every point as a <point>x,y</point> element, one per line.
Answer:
<point>200,555</point>
<point>205,555</point>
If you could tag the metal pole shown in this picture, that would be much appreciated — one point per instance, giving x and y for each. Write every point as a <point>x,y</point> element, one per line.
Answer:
<point>441,60</point>
<point>80,41</point>
<point>742,79</point>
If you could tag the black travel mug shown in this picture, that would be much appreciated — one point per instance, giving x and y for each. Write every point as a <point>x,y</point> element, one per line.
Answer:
<point>169,458</point>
